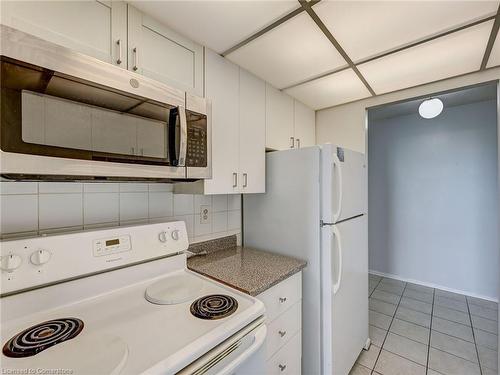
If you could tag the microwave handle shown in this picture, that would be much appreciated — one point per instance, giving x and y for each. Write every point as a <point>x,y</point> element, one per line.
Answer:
<point>177,113</point>
<point>183,140</point>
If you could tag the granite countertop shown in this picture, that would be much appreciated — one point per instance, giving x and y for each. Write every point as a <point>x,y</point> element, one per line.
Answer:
<point>249,270</point>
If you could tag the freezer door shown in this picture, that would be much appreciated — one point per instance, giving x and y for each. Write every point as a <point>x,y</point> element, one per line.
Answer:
<point>345,293</point>
<point>345,177</point>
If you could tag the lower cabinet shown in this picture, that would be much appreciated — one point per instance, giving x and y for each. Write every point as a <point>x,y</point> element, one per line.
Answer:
<point>283,304</point>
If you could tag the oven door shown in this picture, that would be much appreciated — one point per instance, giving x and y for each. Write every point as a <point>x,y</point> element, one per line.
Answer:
<point>67,115</point>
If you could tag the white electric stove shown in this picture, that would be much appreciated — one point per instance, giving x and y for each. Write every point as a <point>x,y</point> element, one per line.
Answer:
<point>121,301</point>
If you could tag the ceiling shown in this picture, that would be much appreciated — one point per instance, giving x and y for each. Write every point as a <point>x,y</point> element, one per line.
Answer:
<point>326,53</point>
<point>450,99</point>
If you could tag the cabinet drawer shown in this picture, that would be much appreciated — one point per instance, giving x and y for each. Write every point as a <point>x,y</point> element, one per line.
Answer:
<point>282,296</point>
<point>282,329</point>
<point>288,360</point>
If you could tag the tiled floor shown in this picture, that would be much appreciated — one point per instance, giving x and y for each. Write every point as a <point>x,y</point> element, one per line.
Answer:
<point>416,330</point>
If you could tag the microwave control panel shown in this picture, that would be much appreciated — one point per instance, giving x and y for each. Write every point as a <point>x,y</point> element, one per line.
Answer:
<point>197,141</point>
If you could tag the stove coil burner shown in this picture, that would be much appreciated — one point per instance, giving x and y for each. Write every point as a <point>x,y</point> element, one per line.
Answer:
<point>42,336</point>
<point>214,306</point>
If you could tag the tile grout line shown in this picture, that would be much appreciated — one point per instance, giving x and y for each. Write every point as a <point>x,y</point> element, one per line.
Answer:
<point>474,338</point>
<point>430,333</point>
<point>390,325</point>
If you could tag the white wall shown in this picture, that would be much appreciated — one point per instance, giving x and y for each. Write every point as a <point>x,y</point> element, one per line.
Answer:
<point>433,198</point>
<point>345,125</point>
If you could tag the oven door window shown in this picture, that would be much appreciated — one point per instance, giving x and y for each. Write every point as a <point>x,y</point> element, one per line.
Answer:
<point>50,114</point>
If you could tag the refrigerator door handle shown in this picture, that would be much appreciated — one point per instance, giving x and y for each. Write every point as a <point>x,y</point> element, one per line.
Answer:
<point>338,242</point>
<point>337,164</point>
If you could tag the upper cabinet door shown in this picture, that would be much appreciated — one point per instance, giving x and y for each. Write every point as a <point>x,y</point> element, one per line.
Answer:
<point>252,133</point>
<point>279,119</point>
<point>160,53</point>
<point>222,87</point>
<point>90,27</point>
<point>305,125</point>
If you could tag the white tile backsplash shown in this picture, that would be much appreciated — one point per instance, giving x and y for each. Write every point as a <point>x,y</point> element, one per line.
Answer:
<point>161,204</point>
<point>101,208</point>
<point>60,210</point>
<point>7,187</point>
<point>56,207</point>
<point>59,187</point>
<point>133,206</point>
<point>183,204</point>
<point>19,213</point>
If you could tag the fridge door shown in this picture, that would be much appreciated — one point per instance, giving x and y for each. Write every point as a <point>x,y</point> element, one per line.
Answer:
<point>345,294</point>
<point>344,183</point>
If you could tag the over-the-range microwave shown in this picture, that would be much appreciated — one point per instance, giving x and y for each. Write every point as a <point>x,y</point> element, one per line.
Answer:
<point>65,115</point>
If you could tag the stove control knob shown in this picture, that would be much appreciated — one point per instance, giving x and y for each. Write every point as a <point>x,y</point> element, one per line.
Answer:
<point>10,262</point>
<point>162,236</point>
<point>175,234</point>
<point>40,257</point>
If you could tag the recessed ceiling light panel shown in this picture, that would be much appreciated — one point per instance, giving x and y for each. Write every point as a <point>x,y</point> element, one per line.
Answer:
<point>430,108</point>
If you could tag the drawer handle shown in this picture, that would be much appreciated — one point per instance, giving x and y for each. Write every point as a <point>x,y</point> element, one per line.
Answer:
<point>282,299</point>
<point>282,333</point>
<point>282,367</point>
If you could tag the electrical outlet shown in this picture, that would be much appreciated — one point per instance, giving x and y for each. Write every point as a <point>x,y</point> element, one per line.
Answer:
<point>205,214</point>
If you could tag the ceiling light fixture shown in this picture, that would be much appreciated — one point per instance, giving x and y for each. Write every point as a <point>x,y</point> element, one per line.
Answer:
<point>430,108</point>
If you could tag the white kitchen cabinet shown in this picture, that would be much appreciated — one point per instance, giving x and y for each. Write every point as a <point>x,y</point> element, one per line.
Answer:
<point>90,27</point>
<point>222,87</point>
<point>304,125</point>
<point>283,304</point>
<point>160,53</point>
<point>252,133</point>
<point>279,119</point>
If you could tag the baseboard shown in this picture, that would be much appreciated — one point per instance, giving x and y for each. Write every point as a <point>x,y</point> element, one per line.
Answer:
<point>430,285</point>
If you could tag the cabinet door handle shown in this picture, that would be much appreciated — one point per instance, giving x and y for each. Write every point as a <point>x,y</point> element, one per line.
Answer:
<point>235,179</point>
<point>282,333</point>
<point>136,59</point>
<point>292,142</point>
<point>282,367</point>
<point>298,143</point>
<point>119,59</point>
<point>282,299</point>
<point>245,180</point>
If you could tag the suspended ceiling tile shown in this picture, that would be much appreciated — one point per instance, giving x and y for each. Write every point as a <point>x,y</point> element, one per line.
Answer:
<point>495,54</point>
<point>334,89</point>
<point>368,28</point>
<point>292,52</point>
<point>218,25</point>
<point>449,56</point>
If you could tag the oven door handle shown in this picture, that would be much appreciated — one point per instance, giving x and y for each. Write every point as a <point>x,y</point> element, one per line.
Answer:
<point>260,337</point>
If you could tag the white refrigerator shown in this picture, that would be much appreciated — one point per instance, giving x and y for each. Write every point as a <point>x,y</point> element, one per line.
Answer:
<point>315,208</point>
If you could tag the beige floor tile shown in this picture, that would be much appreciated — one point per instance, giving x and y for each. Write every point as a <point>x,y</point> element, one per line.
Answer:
<point>450,314</point>
<point>392,364</point>
<point>360,370</point>
<point>368,358</point>
<point>483,303</point>
<point>419,296</point>
<point>377,335</point>
<point>451,303</point>
<point>487,325</point>
<point>484,312</point>
<point>413,304</point>
<point>453,345</point>
<point>386,297</point>
<point>488,357</point>
<point>404,347</point>
<point>449,364</point>
<point>413,316</point>
<point>486,339</point>
<point>394,289</point>
<point>382,307</point>
<point>380,320</point>
<point>451,295</point>
<point>411,331</point>
<point>453,329</point>
<point>420,288</point>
